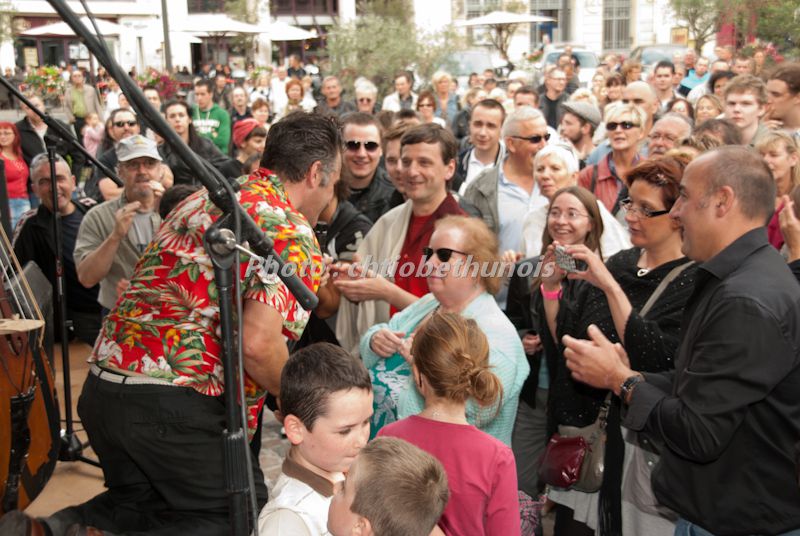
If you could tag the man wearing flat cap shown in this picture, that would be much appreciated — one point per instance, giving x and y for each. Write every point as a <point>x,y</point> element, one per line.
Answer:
<point>578,123</point>
<point>114,234</point>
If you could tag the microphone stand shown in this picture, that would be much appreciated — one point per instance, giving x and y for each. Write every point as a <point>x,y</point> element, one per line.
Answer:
<point>61,130</point>
<point>238,477</point>
<point>71,448</point>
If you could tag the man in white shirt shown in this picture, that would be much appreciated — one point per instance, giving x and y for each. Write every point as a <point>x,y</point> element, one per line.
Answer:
<point>484,135</point>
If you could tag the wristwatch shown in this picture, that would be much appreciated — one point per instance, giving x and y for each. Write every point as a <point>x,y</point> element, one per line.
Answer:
<point>626,389</point>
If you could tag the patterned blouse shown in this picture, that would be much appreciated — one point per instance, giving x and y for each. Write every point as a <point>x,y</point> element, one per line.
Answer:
<point>165,325</point>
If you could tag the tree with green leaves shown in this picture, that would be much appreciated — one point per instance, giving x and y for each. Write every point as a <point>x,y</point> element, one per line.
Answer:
<point>778,21</point>
<point>378,47</point>
<point>702,18</point>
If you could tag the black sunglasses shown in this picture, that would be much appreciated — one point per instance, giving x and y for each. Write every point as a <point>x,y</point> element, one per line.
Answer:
<point>626,125</point>
<point>534,139</point>
<point>120,124</point>
<point>443,254</point>
<point>369,146</point>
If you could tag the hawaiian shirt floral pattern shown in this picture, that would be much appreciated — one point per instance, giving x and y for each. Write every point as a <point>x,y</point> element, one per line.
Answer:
<point>165,325</point>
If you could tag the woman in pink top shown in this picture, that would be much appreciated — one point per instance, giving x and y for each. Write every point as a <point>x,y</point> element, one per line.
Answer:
<point>16,171</point>
<point>451,364</point>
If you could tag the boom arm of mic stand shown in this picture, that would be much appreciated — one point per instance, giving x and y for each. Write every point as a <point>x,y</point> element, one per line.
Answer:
<point>62,132</point>
<point>259,241</point>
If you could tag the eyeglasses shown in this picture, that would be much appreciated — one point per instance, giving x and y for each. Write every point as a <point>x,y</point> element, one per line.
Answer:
<point>136,163</point>
<point>120,124</point>
<point>626,125</point>
<point>641,212</point>
<point>666,137</point>
<point>570,215</point>
<point>425,105</point>
<point>443,254</point>
<point>534,139</point>
<point>365,99</point>
<point>369,146</point>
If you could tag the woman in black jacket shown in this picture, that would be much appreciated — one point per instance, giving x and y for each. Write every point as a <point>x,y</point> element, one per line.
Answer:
<point>179,117</point>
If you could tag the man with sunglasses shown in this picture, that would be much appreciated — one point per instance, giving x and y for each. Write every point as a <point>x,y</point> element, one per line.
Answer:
<point>122,124</point>
<point>370,187</point>
<point>503,195</point>
<point>375,290</point>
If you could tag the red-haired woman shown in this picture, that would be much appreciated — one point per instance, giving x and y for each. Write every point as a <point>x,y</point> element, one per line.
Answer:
<point>16,171</point>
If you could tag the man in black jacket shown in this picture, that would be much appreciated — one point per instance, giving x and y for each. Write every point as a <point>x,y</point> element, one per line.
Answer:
<point>369,184</point>
<point>727,417</point>
<point>35,241</point>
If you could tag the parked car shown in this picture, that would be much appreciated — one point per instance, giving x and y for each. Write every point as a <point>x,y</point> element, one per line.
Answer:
<point>588,61</point>
<point>650,55</point>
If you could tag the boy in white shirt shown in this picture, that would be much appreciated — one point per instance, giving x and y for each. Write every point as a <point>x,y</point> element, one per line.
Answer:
<point>326,397</point>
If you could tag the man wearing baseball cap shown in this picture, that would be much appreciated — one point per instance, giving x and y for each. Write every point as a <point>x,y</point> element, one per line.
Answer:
<point>578,123</point>
<point>114,234</point>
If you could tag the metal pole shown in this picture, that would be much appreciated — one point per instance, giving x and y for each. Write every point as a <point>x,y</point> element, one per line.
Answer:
<point>167,46</point>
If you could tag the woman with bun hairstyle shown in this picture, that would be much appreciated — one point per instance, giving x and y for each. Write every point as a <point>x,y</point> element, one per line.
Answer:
<point>451,365</point>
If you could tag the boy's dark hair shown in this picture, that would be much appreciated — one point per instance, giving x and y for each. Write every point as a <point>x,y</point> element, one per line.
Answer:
<point>491,104</point>
<point>312,374</point>
<point>399,488</point>
<point>665,64</point>
<point>206,83</point>
<point>174,195</point>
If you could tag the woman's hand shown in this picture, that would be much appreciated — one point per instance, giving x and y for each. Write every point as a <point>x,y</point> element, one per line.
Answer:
<point>552,274</point>
<point>386,342</point>
<point>596,272</point>
<point>531,343</point>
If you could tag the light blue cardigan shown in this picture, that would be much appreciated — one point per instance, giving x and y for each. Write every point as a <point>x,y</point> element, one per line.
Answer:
<point>506,357</point>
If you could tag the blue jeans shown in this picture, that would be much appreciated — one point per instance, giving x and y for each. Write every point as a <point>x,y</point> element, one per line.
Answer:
<point>17,207</point>
<point>687,528</point>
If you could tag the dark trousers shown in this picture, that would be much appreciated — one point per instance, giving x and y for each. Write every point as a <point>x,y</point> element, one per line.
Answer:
<point>78,125</point>
<point>161,452</point>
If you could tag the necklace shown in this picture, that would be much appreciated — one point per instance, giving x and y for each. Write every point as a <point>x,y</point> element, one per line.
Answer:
<point>643,272</point>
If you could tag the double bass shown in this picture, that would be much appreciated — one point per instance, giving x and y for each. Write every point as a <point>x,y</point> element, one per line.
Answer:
<point>29,413</point>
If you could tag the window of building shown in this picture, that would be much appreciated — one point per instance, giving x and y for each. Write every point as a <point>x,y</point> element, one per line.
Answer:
<point>478,8</point>
<point>546,8</point>
<point>616,24</point>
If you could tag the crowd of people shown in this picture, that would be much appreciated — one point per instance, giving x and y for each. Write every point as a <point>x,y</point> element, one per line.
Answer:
<point>501,272</point>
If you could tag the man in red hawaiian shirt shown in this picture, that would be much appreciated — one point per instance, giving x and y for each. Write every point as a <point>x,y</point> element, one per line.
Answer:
<point>151,404</point>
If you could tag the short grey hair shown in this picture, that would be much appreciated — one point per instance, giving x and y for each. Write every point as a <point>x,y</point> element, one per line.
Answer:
<point>520,115</point>
<point>688,123</point>
<point>563,153</point>
<point>42,158</point>
<point>365,87</point>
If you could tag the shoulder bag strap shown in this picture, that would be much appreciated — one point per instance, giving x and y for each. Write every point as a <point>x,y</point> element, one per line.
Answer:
<point>675,272</point>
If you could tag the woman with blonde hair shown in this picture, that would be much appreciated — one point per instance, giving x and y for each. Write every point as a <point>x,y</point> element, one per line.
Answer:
<point>464,271</point>
<point>447,100</point>
<point>450,366</point>
<point>707,107</point>
<point>624,125</point>
<point>782,156</point>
